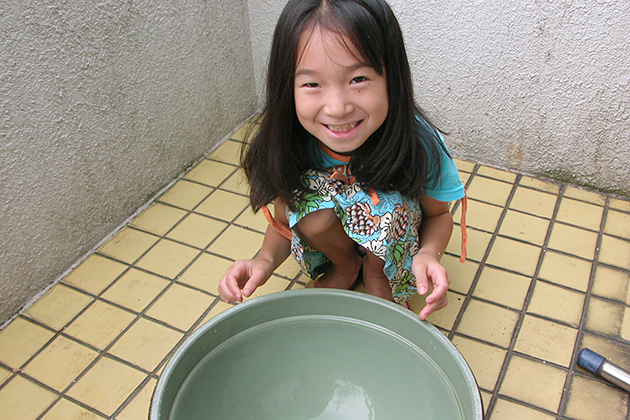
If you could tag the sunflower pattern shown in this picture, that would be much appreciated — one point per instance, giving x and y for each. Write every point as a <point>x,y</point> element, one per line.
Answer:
<point>387,226</point>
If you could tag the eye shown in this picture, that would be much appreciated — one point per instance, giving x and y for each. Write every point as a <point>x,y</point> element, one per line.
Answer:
<point>310,85</point>
<point>359,79</point>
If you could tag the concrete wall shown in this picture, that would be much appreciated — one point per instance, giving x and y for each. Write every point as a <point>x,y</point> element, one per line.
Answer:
<point>102,105</point>
<point>540,87</point>
<point>263,15</point>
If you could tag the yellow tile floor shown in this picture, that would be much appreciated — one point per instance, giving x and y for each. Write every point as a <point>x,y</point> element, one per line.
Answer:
<point>548,274</point>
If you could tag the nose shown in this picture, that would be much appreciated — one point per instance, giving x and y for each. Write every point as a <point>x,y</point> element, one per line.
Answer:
<point>338,103</point>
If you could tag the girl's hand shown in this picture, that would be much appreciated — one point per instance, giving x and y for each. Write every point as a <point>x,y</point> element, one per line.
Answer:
<point>430,275</point>
<point>243,278</point>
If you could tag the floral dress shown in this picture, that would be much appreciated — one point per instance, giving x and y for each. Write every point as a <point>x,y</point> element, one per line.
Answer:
<point>385,223</point>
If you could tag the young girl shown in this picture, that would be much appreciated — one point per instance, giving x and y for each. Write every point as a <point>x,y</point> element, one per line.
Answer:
<point>359,179</point>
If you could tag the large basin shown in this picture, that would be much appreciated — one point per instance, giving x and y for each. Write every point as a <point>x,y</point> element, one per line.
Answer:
<point>316,354</point>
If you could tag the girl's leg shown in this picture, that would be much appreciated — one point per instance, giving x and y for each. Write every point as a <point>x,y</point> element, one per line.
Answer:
<point>374,279</point>
<point>323,231</point>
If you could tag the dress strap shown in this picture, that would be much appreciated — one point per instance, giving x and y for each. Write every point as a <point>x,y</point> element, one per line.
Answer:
<point>275,223</point>
<point>462,258</point>
<point>342,173</point>
<point>373,196</point>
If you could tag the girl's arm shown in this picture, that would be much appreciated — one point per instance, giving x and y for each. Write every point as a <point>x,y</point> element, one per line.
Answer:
<point>435,232</point>
<point>245,276</point>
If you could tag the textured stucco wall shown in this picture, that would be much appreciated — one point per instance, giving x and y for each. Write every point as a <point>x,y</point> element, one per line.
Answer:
<point>102,105</point>
<point>541,87</point>
<point>263,15</point>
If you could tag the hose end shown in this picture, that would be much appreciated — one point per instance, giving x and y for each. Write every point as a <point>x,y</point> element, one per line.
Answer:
<point>589,360</point>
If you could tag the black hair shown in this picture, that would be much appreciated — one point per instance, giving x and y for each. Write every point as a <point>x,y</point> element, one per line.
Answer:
<point>395,157</point>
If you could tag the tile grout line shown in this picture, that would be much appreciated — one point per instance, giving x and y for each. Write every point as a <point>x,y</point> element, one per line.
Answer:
<point>468,297</point>
<point>528,405</point>
<point>213,189</point>
<point>60,397</point>
<point>63,394</point>
<point>473,174</point>
<point>471,289</point>
<point>99,297</point>
<point>154,373</point>
<point>582,324</point>
<point>521,314</point>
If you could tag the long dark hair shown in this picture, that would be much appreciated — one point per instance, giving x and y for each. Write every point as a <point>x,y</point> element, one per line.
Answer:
<point>395,157</point>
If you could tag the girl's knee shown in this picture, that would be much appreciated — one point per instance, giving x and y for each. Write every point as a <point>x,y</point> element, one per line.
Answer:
<point>318,222</point>
<point>375,281</point>
<point>373,264</point>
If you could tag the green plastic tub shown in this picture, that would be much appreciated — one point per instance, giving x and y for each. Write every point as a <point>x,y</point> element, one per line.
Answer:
<point>316,354</point>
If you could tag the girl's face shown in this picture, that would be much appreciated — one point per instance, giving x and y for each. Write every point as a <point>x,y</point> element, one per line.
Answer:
<point>339,99</point>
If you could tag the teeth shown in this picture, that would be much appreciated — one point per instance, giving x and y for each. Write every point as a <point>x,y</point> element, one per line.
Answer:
<point>342,128</point>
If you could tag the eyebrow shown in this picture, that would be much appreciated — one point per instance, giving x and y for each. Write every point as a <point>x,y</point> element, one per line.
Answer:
<point>352,67</point>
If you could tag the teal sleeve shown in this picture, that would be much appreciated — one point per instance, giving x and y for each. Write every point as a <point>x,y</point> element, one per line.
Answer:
<point>449,186</point>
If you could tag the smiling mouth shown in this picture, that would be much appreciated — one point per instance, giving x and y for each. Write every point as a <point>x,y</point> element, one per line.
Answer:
<point>343,128</point>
